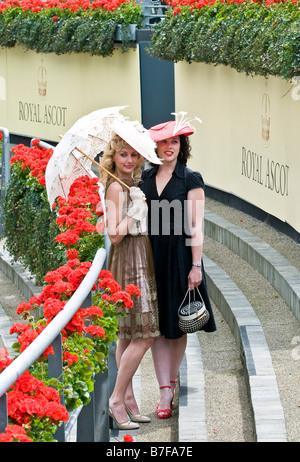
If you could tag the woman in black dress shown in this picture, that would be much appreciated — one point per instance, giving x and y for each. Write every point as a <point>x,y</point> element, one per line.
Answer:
<point>175,196</point>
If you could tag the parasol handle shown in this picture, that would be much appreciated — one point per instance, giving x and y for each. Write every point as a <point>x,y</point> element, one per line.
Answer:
<point>103,168</point>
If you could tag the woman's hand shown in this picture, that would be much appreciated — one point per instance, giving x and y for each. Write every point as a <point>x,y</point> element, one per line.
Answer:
<point>138,208</point>
<point>195,277</point>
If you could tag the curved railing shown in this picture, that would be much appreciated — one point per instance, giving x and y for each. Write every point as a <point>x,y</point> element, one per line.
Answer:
<point>5,175</point>
<point>51,336</point>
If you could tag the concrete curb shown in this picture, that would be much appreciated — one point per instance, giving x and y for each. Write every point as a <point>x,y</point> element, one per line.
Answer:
<point>21,278</point>
<point>6,339</point>
<point>268,415</point>
<point>267,261</point>
<point>191,413</point>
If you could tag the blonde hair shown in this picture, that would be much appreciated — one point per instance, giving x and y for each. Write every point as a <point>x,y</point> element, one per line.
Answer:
<point>116,144</point>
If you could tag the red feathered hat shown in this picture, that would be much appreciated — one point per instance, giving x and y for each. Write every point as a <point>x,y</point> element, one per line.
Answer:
<point>172,128</point>
<point>168,130</point>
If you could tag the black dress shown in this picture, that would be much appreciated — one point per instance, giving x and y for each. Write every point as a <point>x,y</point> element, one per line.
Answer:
<point>169,236</point>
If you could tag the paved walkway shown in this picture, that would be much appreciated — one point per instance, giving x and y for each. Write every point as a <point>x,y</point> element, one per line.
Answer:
<point>242,382</point>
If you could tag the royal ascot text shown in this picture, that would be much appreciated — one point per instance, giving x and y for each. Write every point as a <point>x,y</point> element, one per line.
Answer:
<point>43,114</point>
<point>271,174</point>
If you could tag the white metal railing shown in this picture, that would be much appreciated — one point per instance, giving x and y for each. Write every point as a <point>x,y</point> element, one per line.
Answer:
<point>5,175</point>
<point>49,334</point>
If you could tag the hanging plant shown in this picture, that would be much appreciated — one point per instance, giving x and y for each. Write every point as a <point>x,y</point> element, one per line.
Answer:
<point>68,26</point>
<point>255,37</point>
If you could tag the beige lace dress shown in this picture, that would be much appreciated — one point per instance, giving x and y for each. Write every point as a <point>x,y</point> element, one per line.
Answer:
<point>131,262</point>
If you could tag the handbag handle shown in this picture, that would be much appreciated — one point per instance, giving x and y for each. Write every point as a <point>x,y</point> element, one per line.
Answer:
<point>189,292</point>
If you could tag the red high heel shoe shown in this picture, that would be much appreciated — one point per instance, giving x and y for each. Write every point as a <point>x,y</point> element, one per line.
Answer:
<point>165,413</point>
<point>173,390</point>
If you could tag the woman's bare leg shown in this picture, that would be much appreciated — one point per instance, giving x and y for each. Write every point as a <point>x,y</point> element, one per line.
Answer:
<point>167,356</point>
<point>129,396</point>
<point>128,364</point>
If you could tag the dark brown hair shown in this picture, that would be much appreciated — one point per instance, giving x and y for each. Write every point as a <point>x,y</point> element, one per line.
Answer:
<point>185,149</point>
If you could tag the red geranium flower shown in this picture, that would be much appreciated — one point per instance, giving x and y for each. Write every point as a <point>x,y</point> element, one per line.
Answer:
<point>14,433</point>
<point>132,289</point>
<point>95,330</point>
<point>123,297</point>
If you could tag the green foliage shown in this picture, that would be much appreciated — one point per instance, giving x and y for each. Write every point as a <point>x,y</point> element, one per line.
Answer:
<point>58,31</point>
<point>30,227</point>
<point>249,37</point>
<point>79,377</point>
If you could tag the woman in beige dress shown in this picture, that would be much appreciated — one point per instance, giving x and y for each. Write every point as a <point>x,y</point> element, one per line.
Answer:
<point>130,262</point>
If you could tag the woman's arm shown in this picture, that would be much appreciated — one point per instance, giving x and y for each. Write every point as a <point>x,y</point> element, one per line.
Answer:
<point>117,226</point>
<point>196,203</point>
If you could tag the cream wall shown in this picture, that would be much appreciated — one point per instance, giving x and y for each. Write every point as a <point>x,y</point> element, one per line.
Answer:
<point>42,95</point>
<point>235,149</point>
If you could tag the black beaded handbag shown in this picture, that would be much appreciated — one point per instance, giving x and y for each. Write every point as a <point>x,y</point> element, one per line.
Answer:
<point>194,315</point>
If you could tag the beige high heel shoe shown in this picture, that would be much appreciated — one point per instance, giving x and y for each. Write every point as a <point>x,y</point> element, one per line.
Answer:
<point>122,425</point>
<point>137,417</point>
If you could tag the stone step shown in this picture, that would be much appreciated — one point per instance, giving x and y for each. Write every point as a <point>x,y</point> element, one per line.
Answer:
<point>268,414</point>
<point>283,276</point>
<point>249,335</point>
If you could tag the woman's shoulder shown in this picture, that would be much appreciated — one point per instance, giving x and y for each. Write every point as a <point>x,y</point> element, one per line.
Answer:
<point>194,178</point>
<point>113,186</point>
